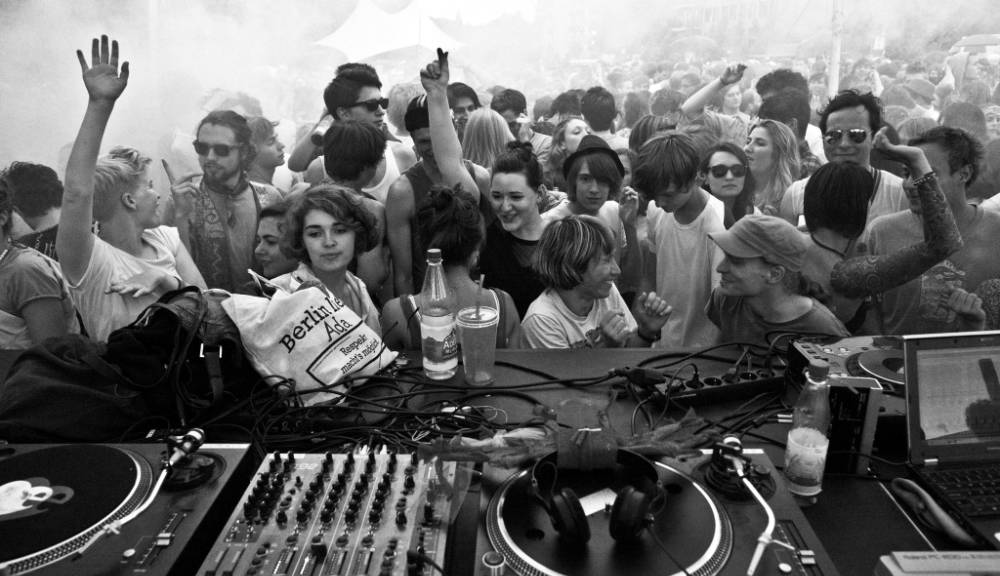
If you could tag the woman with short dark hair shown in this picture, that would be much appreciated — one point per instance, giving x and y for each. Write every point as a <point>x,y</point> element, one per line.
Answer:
<point>326,228</point>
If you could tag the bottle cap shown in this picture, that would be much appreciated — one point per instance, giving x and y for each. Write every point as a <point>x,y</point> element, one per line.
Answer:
<point>819,369</point>
<point>434,255</point>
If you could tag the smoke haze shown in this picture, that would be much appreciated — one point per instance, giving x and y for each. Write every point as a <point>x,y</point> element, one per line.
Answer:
<point>282,52</point>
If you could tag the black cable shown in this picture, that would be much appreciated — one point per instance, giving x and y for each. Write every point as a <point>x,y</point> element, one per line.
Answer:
<point>656,538</point>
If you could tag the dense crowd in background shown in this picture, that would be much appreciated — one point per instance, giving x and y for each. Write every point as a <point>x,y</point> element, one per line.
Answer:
<point>670,205</point>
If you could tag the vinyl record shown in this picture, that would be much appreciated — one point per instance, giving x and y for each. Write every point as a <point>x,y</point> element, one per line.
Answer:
<point>521,531</point>
<point>53,500</point>
<point>883,364</point>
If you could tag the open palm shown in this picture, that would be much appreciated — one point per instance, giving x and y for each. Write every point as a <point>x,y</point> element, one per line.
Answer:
<point>102,78</point>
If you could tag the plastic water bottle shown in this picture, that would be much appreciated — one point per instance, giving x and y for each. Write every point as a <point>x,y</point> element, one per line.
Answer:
<point>439,342</point>
<point>808,441</point>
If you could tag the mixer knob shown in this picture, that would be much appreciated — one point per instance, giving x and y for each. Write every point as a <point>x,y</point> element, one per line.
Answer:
<point>302,515</point>
<point>409,483</point>
<point>374,516</point>
<point>281,517</point>
<point>428,513</point>
<point>401,518</point>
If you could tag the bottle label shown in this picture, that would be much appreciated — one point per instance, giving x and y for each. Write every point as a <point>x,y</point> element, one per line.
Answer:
<point>439,342</point>
<point>805,459</point>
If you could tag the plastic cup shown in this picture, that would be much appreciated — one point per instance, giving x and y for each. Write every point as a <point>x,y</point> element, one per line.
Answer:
<point>477,335</point>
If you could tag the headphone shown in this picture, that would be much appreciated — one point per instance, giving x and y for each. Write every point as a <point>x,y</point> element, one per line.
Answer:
<point>630,513</point>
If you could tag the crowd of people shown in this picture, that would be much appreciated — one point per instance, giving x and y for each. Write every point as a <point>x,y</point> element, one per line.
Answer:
<point>722,204</point>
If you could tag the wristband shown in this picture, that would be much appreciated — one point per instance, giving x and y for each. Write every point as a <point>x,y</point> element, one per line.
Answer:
<point>655,338</point>
<point>925,178</point>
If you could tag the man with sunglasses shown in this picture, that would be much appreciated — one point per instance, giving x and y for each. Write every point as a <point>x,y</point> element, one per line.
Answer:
<point>217,213</point>
<point>355,93</point>
<point>849,123</point>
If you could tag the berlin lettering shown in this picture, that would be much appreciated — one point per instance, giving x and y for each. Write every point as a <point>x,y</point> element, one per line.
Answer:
<point>312,317</point>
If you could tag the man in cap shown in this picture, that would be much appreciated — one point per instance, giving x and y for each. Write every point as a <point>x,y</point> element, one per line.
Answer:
<point>762,293</point>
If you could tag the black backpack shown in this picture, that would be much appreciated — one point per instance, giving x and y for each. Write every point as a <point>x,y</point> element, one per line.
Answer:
<point>180,363</point>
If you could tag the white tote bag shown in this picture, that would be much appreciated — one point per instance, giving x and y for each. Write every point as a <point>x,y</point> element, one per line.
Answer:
<point>308,336</point>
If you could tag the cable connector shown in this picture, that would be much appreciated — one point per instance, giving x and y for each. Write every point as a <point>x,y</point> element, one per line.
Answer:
<point>645,378</point>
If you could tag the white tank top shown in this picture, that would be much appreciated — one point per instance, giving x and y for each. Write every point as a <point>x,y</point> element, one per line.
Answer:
<point>380,191</point>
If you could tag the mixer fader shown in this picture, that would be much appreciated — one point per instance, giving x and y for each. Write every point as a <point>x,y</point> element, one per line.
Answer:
<point>366,512</point>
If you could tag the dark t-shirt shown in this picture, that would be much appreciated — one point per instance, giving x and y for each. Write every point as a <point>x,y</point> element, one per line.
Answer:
<point>506,262</point>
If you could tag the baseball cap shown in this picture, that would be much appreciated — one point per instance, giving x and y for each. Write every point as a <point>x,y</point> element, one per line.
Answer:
<point>767,237</point>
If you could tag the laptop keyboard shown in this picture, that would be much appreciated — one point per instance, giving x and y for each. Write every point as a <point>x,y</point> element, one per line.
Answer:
<point>976,491</point>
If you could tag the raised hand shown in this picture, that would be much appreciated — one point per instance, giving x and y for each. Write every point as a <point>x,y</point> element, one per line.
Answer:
<point>732,74</point>
<point>651,312</point>
<point>629,206</point>
<point>435,76</point>
<point>102,78</point>
<point>911,156</point>
<point>183,191</point>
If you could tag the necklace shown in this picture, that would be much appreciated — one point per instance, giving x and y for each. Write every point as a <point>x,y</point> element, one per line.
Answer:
<point>5,251</point>
<point>828,248</point>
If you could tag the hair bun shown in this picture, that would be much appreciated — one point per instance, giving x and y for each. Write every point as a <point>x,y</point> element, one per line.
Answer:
<point>524,150</point>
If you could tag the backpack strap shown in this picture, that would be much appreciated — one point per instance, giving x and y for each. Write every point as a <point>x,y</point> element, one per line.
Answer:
<point>409,307</point>
<point>502,312</point>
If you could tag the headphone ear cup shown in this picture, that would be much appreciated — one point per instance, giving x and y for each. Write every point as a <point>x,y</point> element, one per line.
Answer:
<point>568,518</point>
<point>628,514</point>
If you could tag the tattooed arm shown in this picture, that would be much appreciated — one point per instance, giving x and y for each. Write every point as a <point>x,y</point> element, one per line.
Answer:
<point>864,275</point>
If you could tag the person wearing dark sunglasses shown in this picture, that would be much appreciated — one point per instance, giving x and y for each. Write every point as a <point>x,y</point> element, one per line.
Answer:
<point>355,93</point>
<point>849,123</point>
<point>217,213</point>
<point>726,176</point>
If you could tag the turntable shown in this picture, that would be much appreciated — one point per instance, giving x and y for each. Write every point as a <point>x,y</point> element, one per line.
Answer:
<point>57,501</point>
<point>878,357</point>
<point>707,525</point>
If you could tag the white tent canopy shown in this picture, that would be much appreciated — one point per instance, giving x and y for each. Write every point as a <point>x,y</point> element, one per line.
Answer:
<point>370,31</point>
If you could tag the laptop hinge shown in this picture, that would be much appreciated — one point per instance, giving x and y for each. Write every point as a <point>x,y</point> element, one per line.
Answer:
<point>931,462</point>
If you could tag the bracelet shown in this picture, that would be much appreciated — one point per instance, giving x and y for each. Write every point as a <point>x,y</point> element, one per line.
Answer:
<point>925,178</point>
<point>654,338</point>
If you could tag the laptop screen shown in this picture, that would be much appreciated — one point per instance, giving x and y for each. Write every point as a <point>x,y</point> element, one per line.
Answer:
<point>953,392</point>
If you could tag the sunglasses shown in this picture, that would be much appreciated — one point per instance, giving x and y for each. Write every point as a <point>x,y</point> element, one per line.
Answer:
<point>720,170</point>
<point>221,150</point>
<point>857,135</point>
<point>373,104</point>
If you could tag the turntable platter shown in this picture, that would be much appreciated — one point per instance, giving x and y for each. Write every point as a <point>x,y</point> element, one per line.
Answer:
<point>520,529</point>
<point>52,501</point>
<point>885,365</point>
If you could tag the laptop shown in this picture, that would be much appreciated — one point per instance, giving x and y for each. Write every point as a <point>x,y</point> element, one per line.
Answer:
<point>953,425</point>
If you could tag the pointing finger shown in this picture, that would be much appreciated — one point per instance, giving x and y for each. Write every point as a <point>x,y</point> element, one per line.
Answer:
<point>170,173</point>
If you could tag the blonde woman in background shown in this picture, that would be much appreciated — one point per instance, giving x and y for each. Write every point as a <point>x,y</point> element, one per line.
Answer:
<point>773,153</point>
<point>486,137</point>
